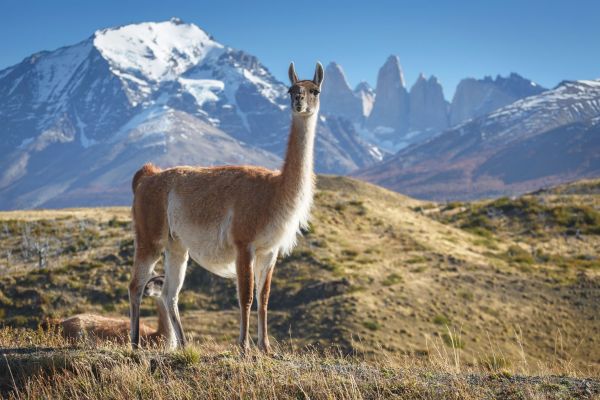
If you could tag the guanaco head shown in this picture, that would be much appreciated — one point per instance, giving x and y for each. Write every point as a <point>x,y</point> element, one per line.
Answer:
<point>305,94</point>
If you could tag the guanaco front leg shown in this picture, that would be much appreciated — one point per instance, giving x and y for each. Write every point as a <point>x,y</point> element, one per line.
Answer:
<point>263,272</point>
<point>245,286</point>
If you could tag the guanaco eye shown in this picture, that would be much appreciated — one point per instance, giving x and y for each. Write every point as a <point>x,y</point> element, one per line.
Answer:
<point>315,92</point>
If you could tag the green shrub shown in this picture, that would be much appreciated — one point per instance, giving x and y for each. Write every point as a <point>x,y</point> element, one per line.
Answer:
<point>349,253</point>
<point>478,223</point>
<point>187,356</point>
<point>480,231</point>
<point>466,295</point>
<point>392,279</point>
<point>518,255</point>
<point>115,223</point>
<point>339,206</point>
<point>453,341</point>
<point>452,205</point>
<point>371,325</point>
<point>441,320</point>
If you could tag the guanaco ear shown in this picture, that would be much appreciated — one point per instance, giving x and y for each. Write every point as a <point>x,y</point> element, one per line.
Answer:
<point>292,74</point>
<point>154,286</point>
<point>319,75</point>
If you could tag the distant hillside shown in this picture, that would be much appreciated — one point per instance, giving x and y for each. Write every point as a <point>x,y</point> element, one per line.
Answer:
<point>376,272</point>
<point>582,187</point>
<point>539,141</point>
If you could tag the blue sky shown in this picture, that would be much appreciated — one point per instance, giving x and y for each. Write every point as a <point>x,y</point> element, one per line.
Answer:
<point>546,41</point>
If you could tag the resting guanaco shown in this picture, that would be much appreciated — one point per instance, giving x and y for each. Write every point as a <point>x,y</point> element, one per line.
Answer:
<point>99,328</point>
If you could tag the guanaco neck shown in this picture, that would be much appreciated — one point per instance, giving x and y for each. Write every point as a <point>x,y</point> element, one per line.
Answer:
<point>297,179</point>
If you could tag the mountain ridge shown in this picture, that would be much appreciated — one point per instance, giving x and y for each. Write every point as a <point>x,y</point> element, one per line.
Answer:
<point>84,103</point>
<point>554,134</point>
<point>92,96</point>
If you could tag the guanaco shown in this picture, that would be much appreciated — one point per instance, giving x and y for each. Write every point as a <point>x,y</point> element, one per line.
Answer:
<point>232,220</point>
<point>110,329</point>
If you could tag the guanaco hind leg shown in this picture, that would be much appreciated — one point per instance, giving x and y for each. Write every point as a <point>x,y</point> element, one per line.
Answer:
<point>143,266</point>
<point>176,258</point>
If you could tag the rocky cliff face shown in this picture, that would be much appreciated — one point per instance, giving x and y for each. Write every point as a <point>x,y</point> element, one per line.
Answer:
<point>335,133</point>
<point>476,97</point>
<point>399,118</point>
<point>388,120</point>
<point>428,108</point>
<point>337,98</point>
<point>392,118</point>
<point>366,94</point>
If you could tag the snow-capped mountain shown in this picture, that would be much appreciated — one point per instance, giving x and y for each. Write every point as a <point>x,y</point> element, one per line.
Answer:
<point>476,97</point>
<point>388,120</point>
<point>394,117</point>
<point>68,175</point>
<point>78,121</point>
<point>540,140</point>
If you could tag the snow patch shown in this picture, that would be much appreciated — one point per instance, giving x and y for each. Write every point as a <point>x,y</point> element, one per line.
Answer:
<point>203,90</point>
<point>268,90</point>
<point>375,152</point>
<point>56,71</point>
<point>15,170</point>
<point>6,71</point>
<point>156,51</point>
<point>84,140</point>
<point>25,143</point>
<point>149,128</point>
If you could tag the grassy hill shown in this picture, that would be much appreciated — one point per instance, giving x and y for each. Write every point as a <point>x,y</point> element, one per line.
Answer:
<point>499,285</point>
<point>41,365</point>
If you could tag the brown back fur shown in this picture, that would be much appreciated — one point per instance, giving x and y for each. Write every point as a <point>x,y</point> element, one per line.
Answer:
<point>101,329</point>
<point>147,170</point>
<point>245,188</point>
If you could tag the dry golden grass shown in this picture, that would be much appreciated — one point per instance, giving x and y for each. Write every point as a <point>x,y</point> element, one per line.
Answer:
<point>39,364</point>
<point>390,282</point>
<point>97,214</point>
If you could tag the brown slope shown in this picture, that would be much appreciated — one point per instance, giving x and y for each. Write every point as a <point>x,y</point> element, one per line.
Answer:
<point>376,272</point>
<point>463,166</point>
